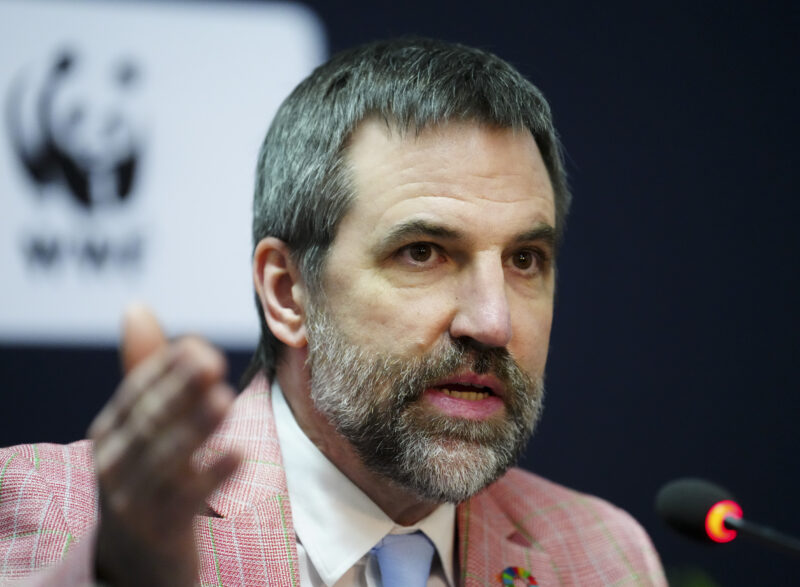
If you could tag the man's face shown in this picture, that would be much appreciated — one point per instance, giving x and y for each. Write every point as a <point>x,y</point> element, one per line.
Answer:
<point>427,350</point>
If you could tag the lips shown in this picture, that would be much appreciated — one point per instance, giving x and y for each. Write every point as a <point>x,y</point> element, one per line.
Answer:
<point>469,396</point>
<point>470,386</point>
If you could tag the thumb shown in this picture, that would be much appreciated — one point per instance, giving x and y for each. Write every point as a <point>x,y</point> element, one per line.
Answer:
<point>141,336</point>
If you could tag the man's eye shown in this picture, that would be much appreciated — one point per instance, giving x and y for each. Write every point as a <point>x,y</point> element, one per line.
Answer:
<point>529,261</point>
<point>524,259</point>
<point>420,255</point>
<point>420,252</point>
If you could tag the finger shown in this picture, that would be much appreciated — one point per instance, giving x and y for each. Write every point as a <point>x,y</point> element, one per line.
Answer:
<point>150,418</point>
<point>174,448</point>
<point>198,363</point>
<point>176,480</point>
<point>166,460</point>
<point>141,336</point>
<point>141,379</point>
<point>197,369</point>
<point>178,497</point>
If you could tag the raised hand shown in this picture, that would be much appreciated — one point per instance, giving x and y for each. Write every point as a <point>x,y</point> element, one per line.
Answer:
<point>172,397</point>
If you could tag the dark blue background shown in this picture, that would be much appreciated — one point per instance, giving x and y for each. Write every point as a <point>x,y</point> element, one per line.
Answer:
<point>675,343</point>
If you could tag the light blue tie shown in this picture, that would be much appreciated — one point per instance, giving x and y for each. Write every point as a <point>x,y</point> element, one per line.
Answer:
<point>404,559</point>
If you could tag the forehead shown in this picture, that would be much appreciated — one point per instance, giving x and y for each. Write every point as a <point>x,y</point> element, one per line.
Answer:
<point>461,172</point>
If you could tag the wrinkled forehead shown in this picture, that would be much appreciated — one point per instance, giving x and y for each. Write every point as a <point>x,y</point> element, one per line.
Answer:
<point>458,173</point>
<point>457,156</point>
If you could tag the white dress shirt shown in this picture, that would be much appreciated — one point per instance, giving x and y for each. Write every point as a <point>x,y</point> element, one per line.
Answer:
<point>336,524</point>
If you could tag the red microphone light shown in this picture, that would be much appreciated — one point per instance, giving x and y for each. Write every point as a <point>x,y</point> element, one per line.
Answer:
<point>715,520</point>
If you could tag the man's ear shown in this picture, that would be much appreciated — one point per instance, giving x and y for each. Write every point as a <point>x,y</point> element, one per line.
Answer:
<point>281,291</point>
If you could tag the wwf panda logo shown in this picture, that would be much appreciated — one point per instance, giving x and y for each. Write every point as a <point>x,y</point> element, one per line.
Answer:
<point>74,125</point>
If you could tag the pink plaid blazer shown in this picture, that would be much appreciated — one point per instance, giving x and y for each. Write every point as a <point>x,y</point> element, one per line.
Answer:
<point>48,512</point>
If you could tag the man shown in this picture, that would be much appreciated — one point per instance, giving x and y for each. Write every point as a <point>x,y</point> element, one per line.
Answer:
<point>409,202</point>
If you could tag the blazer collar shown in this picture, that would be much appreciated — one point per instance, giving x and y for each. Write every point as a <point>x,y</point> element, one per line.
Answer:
<point>249,429</point>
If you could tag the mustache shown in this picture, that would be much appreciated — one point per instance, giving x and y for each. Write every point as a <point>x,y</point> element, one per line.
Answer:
<point>457,356</point>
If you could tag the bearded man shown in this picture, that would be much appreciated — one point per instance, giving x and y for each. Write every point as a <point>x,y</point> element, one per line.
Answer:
<point>409,204</point>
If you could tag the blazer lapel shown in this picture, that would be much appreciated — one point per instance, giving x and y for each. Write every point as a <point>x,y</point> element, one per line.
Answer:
<point>489,542</point>
<point>249,538</point>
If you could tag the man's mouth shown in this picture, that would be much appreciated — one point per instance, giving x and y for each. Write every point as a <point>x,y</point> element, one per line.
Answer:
<point>468,392</point>
<point>470,396</point>
<point>470,386</point>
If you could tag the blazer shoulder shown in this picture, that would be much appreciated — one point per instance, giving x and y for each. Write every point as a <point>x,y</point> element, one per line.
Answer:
<point>536,496</point>
<point>64,468</point>
<point>48,501</point>
<point>555,518</point>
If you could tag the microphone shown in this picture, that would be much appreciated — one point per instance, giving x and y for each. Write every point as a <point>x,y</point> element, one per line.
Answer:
<point>706,512</point>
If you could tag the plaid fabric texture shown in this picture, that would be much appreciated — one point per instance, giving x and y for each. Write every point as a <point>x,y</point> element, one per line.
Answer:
<point>48,512</point>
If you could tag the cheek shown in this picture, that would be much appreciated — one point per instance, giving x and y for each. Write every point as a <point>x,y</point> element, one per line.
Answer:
<point>387,319</point>
<point>531,339</point>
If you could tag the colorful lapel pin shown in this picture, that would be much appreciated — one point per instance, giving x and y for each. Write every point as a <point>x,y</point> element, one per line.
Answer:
<point>509,574</point>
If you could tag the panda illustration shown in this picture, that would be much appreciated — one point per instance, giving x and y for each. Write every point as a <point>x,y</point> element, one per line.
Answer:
<point>73,124</point>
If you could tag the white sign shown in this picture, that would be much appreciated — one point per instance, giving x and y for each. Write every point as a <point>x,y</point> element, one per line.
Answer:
<point>127,158</point>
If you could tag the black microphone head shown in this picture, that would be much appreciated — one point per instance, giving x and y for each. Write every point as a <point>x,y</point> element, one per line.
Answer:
<point>684,504</point>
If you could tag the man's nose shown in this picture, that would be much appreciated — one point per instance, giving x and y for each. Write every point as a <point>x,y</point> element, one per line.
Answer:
<point>482,308</point>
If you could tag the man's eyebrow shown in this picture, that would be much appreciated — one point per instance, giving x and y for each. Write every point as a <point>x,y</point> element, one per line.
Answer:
<point>541,232</point>
<point>412,229</point>
<point>416,229</point>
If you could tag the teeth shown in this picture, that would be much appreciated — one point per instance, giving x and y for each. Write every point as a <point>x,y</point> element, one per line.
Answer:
<point>468,395</point>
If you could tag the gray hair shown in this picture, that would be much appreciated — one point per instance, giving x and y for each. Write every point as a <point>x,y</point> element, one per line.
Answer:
<point>302,179</point>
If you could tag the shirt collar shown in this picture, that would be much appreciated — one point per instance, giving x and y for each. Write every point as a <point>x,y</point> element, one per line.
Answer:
<point>335,521</point>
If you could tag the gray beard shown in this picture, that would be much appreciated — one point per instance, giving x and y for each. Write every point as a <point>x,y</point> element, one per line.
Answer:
<point>374,402</point>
